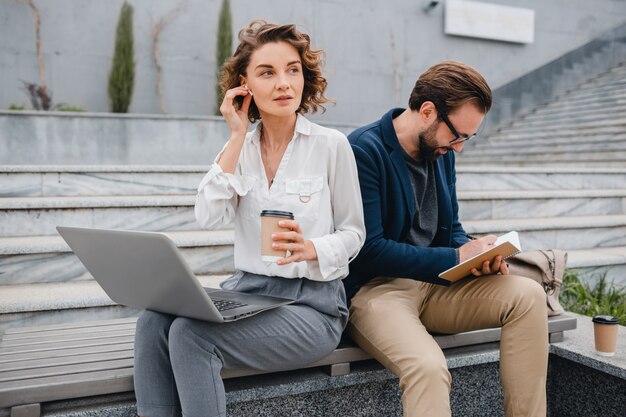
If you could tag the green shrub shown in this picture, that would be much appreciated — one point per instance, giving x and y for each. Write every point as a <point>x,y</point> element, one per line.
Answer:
<point>224,47</point>
<point>602,298</point>
<point>122,76</point>
<point>70,108</point>
<point>14,106</point>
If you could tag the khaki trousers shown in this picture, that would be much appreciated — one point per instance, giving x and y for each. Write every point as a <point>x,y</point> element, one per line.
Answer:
<point>391,318</point>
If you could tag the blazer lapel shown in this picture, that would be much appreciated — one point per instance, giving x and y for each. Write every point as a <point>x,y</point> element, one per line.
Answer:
<point>397,158</point>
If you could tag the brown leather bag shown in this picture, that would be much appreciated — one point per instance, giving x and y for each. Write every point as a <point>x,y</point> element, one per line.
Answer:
<point>547,268</point>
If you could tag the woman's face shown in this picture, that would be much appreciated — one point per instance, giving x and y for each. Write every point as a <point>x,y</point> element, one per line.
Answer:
<point>275,78</point>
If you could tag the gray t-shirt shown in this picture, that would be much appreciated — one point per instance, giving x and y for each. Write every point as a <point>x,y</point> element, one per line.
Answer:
<point>423,181</point>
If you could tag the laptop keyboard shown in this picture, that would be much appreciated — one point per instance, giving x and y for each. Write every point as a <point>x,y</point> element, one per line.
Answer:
<point>223,305</point>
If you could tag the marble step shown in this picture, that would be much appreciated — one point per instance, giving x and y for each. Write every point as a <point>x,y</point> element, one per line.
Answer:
<point>606,90</point>
<point>600,157</point>
<point>592,264</point>
<point>48,259</point>
<point>91,180</point>
<point>29,299</point>
<point>568,118</point>
<point>547,147</point>
<point>484,162</point>
<point>501,139</point>
<point>562,130</point>
<point>573,177</point>
<point>575,152</point>
<point>514,204</point>
<point>65,302</point>
<point>34,216</point>
<point>610,81</point>
<point>564,107</point>
<point>26,298</point>
<point>572,232</point>
<point>601,93</point>
<point>504,137</point>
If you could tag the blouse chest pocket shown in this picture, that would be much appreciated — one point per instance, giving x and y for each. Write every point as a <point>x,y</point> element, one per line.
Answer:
<point>303,196</point>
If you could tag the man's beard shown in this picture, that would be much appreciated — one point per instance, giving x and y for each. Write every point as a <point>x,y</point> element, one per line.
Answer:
<point>428,144</point>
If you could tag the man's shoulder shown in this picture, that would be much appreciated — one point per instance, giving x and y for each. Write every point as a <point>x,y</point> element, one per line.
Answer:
<point>367,136</point>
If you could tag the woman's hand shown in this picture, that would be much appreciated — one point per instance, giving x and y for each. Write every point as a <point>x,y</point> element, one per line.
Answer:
<point>293,241</point>
<point>237,120</point>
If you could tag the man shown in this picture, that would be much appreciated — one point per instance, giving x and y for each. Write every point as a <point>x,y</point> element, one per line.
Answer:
<point>407,178</point>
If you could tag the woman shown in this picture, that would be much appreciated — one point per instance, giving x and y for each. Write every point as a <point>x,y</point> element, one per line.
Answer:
<point>287,163</point>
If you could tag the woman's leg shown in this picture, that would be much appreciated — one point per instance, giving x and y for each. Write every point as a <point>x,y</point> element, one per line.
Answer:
<point>155,388</point>
<point>284,338</point>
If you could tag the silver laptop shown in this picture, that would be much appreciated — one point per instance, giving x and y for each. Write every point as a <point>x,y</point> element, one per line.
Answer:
<point>145,270</point>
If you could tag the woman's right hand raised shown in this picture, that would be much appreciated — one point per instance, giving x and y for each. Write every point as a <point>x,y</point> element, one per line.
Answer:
<point>236,119</point>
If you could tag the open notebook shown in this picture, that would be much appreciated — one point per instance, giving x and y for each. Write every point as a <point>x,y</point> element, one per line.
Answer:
<point>506,245</point>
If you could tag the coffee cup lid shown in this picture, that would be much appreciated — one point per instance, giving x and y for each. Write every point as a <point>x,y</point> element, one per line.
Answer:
<point>277,213</point>
<point>605,319</point>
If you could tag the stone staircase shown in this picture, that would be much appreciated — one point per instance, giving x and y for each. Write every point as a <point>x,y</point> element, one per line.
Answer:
<point>585,125</point>
<point>557,175</point>
<point>42,282</point>
<point>38,273</point>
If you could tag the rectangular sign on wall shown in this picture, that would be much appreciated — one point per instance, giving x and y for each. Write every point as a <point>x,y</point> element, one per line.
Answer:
<point>489,21</point>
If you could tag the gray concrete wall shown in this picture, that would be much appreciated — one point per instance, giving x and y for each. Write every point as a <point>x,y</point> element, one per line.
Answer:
<point>374,51</point>
<point>60,138</point>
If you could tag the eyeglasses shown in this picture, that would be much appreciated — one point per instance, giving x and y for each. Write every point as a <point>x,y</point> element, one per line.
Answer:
<point>457,138</point>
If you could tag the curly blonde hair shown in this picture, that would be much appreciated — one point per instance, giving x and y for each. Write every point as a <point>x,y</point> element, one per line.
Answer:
<point>259,33</point>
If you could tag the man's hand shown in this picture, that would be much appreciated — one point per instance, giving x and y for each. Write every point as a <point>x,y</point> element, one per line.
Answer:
<point>475,247</point>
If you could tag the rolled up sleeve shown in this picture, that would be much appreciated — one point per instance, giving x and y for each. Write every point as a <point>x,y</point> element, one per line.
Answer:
<point>217,197</point>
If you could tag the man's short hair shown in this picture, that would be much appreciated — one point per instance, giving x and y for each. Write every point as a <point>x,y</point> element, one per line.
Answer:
<point>449,85</point>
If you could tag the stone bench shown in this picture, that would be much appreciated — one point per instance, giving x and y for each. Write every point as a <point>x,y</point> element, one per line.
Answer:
<point>66,361</point>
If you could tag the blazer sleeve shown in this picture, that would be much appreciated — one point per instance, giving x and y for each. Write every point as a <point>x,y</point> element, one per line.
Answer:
<point>381,256</point>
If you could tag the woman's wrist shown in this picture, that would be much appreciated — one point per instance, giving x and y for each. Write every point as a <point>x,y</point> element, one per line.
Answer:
<point>310,251</point>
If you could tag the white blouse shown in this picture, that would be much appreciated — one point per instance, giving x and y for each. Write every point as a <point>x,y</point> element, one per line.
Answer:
<point>317,180</point>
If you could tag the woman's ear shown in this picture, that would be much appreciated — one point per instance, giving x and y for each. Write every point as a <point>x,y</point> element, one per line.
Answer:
<point>242,80</point>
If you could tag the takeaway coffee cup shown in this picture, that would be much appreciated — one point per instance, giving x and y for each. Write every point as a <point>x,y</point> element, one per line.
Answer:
<point>269,225</point>
<point>605,334</point>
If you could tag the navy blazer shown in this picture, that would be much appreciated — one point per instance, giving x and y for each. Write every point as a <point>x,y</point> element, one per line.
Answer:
<point>389,207</point>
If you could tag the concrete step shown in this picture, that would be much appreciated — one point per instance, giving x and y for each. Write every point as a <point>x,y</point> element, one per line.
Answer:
<point>568,118</point>
<point>594,263</point>
<point>574,232</point>
<point>600,157</point>
<point>615,128</point>
<point>48,259</point>
<point>516,204</point>
<point>547,147</point>
<point>26,298</point>
<point>553,108</point>
<point>572,177</point>
<point>92,180</point>
<point>601,90</point>
<point>614,81</point>
<point>501,139</point>
<point>64,302</point>
<point>35,216</point>
<point>590,164</point>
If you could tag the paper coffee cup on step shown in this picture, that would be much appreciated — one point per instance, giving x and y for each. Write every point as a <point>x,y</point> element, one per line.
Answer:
<point>605,334</point>
<point>269,225</point>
